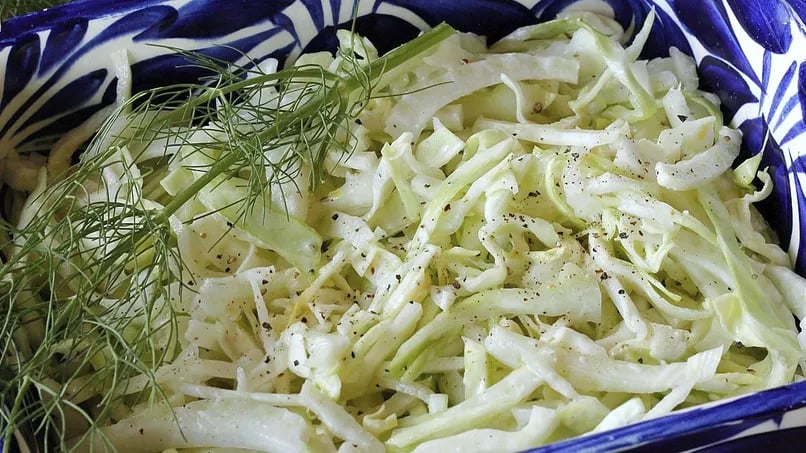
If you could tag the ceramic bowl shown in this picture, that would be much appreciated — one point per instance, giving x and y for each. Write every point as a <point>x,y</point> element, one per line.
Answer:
<point>56,70</point>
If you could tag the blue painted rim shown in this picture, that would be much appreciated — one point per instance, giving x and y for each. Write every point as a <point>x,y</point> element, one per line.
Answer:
<point>687,430</point>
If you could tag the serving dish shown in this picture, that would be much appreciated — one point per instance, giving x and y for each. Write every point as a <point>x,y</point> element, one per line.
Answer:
<point>58,70</point>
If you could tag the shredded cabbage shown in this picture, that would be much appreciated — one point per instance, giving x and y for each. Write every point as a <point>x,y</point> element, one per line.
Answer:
<point>529,242</point>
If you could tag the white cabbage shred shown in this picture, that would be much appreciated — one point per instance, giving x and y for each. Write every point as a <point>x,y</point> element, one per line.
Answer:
<point>528,243</point>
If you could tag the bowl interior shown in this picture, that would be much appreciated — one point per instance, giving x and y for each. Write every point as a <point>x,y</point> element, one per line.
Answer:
<point>57,71</point>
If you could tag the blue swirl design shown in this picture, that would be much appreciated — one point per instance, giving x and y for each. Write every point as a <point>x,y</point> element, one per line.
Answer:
<point>63,40</point>
<point>798,7</point>
<point>709,22</point>
<point>802,87</point>
<point>773,159</point>
<point>780,91</point>
<point>56,73</point>
<point>23,57</point>
<point>765,22</point>
<point>720,78</point>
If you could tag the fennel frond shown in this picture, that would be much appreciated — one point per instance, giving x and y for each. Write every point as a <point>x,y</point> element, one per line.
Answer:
<point>92,284</point>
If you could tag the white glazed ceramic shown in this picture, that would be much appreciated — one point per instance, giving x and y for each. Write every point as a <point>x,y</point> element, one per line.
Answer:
<point>56,70</point>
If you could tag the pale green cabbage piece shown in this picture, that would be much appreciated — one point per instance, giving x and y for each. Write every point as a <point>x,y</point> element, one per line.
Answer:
<point>540,240</point>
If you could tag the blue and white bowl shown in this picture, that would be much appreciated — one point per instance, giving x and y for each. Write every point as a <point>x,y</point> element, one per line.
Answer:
<point>56,70</point>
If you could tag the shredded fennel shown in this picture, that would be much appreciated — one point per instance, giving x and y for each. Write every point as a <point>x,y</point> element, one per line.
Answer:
<point>526,243</point>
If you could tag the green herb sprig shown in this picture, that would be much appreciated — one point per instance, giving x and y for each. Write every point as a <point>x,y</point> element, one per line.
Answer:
<point>85,304</point>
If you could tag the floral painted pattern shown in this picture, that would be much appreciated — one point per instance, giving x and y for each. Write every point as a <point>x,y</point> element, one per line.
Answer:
<point>57,71</point>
